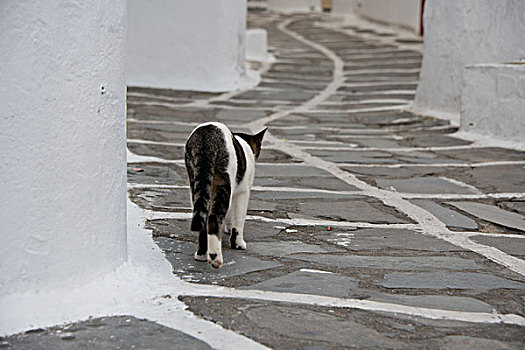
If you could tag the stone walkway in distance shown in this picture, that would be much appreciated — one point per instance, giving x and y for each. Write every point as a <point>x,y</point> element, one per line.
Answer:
<point>369,226</point>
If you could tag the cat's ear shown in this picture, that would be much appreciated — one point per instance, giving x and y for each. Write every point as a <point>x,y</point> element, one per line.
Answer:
<point>257,142</point>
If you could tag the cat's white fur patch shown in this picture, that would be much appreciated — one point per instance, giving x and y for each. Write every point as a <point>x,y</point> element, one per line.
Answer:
<point>214,248</point>
<point>200,257</point>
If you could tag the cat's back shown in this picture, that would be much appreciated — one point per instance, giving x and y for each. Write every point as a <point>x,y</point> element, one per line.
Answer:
<point>210,144</point>
<point>208,137</point>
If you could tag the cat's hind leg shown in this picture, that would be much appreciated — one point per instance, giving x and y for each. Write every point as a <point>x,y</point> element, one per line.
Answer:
<point>202,248</point>
<point>239,207</point>
<point>220,202</point>
<point>228,221</point>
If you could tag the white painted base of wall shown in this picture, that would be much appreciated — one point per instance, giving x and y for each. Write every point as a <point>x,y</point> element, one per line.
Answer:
<point>294,6</point>
<point>404,13</point>
<point>257,45</point>
<point>344,7</point>
<point>493,101</point>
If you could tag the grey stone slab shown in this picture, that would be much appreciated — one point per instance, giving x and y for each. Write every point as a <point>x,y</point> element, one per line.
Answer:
<point>285,248</point>
<point>352,210</point>
<point>116,332</point>
<point>509,245</point>
<point>375,88</point>
<point>276,95</point>
<point>484,154</point>
<point>195,114</point>
<point>281,195</point>
<point>416,263</point>
<point>492,213</point>
<point>332,206</point>
<point>195,95</point>
<point>447,216</point>
<point>517,206</point>
<point>432,140</point>
<point>352,106</point>
<point>157,174</point>
<point>269,170</point>
<point>174,228</point>
<point>463,342</point>
<point>383,238</point>
<point>317,326</point>
<point>377,157</point>
<point>322,183</point>
<point>500,178</point>
<point>160,151</point>
<point>448,280</point>
<point>442,302</point>
<point>328,284</point>
<point>433,185</point>
<point>162,199</point>
<point>180,255</point>
<point>355,156</point>
<point>341,97</point>
<point>274,156</point>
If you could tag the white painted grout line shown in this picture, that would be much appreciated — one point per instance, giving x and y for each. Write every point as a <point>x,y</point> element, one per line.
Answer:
<point>158,215</point>
<point>461,184</point>
<point>319,109</point>
<point>380,83</point>
<point>194,105</point>
<point>315,271</point>
<point>350,72</point>
<point>367,305</point>
<point>453,196</point>
<point>331,88</point>
<point>395,149</point>
<point>157,97</point>
<point>256,188</point>
<point>160,122</point>
<point>493,235</point>
<point>135,158</point>
<point>430,165</point>
<point>150,142</point>
<point>378,101</point>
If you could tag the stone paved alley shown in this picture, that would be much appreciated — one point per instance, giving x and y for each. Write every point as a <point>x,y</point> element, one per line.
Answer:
<point>369,226</point>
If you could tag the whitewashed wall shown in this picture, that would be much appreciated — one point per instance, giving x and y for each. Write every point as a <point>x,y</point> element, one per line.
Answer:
<point>291,6</point>
<point>461,33</point>
<point>344,7</point>
<point>405,13</point>
<point>62,141</point>
<point>192,45</point>
<point>493,101</point>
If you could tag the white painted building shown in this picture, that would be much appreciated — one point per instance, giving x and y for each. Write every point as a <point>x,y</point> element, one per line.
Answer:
<point>474,34</point>
<point>191,45</point>
<point>62,135</point>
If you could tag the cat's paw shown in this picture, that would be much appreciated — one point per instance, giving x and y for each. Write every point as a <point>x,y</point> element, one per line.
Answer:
<point>240,244</point>
<point>215,259</point>
<point>214,251</point>
<point>237,242</point>
<point>202,257</point>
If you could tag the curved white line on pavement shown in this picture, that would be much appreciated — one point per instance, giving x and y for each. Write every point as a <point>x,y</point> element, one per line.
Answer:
<point>430,224</point>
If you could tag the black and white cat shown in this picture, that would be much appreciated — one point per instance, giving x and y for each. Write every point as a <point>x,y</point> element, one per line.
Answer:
<point>221,167</point>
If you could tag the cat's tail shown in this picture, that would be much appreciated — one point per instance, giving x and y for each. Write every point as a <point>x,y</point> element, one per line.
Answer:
<point>201,196</point>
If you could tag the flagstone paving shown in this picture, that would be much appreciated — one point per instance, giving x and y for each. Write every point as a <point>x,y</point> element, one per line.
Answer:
<point>368,226</point>
<point>312,231</point>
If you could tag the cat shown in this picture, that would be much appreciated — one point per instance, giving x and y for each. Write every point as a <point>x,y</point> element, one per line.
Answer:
<point>221,167</point>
